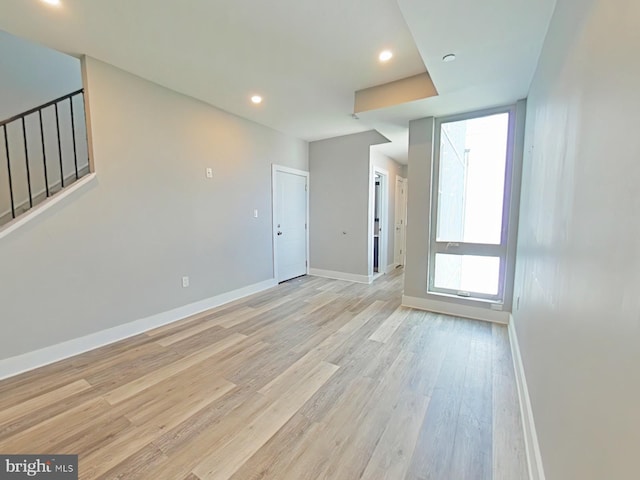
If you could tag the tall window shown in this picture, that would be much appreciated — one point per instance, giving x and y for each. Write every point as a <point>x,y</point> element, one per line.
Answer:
<point>470,205</point>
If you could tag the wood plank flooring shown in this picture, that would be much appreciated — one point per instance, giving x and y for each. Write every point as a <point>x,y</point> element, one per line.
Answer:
<point>314,379</point>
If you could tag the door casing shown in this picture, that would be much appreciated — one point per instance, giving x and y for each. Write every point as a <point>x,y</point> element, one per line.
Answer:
<point>400,244</point>
<point>275,169</point>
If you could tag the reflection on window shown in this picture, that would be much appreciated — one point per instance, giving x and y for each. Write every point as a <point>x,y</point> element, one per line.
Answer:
<point>473,155</point>
<point>467,273</point>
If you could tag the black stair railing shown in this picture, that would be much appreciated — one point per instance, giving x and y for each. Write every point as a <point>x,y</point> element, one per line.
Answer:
<point>58,137</point>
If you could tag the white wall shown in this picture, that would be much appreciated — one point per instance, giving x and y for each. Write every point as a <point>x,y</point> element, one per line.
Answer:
<point>339,202</point>
<point>116,251</point>
<point>578,273</point>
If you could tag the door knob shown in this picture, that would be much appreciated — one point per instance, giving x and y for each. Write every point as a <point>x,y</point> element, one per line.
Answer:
<point>279,233</point>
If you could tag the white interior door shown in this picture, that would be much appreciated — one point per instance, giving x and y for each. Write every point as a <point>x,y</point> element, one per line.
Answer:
<point>401,221</point>
<point>290,223</point>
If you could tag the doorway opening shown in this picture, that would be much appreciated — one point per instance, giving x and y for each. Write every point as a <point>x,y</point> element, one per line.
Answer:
<point>376,224</point>
<point>378,206</point>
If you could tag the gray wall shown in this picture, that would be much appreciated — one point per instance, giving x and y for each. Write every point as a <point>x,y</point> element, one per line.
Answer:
<point>578,273</point>
<point>33,75</point>
<point>339,202</point>
<point>115,252</point>
<point>418,204</point>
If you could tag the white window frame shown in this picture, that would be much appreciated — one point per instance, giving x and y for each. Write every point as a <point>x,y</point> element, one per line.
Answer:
<point>501,250</point>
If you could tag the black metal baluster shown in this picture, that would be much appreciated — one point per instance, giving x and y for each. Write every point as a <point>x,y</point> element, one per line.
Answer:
<point>86,129</point>
<point>22,117</point>
<point>59,146</point>
<point>73,136</point>
<point>6,146</point>
<point>26,161</point>
<point>44,156</point>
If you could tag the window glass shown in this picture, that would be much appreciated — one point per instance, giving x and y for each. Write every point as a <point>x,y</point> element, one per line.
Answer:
<point>467,273</point>
<point>473,156</point>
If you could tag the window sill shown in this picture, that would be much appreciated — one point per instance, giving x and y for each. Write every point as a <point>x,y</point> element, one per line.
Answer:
<point>458,307</point>
<point>469,299</point>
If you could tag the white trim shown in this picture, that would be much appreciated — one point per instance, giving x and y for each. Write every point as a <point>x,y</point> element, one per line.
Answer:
<point>456,310</point>
<point>391,267</point>
<point>400,259</point>
<point>280,168</point>
<point>54,353</point>
<point>46,205</point>
<point>349,277</point>
<point>532,447</point>
<point>24,207</point>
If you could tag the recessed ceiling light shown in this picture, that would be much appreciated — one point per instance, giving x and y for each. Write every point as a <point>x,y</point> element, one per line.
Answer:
<point>256,99</point>
<point>449,58</point>
<point>55,3</point>
<point>385,55</point>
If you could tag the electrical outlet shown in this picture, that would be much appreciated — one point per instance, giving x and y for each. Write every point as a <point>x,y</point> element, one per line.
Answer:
<point>255,213</point>
<point>185,282</point>
<point>209,172</point>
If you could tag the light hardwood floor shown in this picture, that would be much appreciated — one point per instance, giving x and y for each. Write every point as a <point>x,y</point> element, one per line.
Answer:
<point>314,379</point>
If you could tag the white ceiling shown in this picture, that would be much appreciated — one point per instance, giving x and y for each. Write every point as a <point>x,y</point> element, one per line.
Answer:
<point>305,57</point>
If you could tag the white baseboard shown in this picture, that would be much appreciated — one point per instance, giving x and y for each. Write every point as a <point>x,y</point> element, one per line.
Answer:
<point>349,277</point>
<point>45,356</point>
<point>534,457</point>
<point>391,267</point>
<point>456,310</point>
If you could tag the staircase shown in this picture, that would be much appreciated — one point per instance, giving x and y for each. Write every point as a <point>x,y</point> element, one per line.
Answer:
<point>42,151</point>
